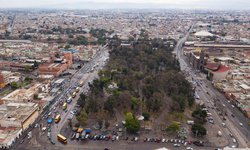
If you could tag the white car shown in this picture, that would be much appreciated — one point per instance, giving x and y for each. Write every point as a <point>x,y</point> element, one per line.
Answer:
<point>241,124</point>
<point>189,148</point>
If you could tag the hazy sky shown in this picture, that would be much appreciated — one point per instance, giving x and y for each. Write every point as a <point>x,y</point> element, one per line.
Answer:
<point>91,4</point>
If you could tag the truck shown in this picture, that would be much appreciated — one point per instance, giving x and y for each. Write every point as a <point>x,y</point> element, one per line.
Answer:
<point>190,122</point>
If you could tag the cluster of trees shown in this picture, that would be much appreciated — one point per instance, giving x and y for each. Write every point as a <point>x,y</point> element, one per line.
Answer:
<point>26,81</point>
<point>132,123</point>
<point>79,40</point>
<point>147,76</point>
<point>200,116</point>
<point>174,127</point>
<point>100,34</point>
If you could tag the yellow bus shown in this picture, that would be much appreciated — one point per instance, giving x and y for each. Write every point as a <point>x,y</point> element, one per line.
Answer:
<point>61,138</point>
<point>74,95</point>
<point>64,106</point>
<point>81,83</point>
<point>77,89</point>
<point>58,118</point>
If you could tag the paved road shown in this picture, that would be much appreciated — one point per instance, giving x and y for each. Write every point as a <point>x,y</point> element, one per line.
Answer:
<point>232,123</point>
<point>86,74</point>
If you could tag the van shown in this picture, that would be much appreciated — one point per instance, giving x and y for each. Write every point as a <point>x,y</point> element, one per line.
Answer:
<point>209,114</point>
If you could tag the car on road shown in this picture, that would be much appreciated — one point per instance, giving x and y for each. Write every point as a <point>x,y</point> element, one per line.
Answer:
<point>21,141</point>
<point>241,124</point>
<point>234,140</point>
<point>189,148</point>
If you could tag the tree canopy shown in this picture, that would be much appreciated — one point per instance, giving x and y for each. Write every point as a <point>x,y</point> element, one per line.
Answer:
<point>199,130</point>
<point>200,115</point>
<point>132,124</point>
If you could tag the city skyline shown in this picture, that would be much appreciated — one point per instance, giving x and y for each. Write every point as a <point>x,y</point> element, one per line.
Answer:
<point>126,4</point>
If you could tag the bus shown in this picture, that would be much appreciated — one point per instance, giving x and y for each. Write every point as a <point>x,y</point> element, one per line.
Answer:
<point>77,89</point>
<point>74,95</point>
<point>64,106</point>
<point>61,138</point>
<point>58,118</point>
<point>81,83</point>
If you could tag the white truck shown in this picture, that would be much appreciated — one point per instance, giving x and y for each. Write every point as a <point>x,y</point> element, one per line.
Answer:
<point>190,122</point>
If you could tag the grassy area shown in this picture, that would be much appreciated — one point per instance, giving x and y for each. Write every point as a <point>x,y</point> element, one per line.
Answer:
<point>176,116</point>
<point>25,83</point>
<point>5,92</point>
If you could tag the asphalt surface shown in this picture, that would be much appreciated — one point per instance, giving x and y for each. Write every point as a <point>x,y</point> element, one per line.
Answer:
<point>240,133</point>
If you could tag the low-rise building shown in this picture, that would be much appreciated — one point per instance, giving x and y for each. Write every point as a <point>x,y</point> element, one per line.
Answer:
<point>14,119</point>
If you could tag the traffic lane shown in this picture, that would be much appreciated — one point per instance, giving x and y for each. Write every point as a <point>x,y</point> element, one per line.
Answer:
<point>218,121</point>
<point>239,117</point>
<point>210,102</point>
<point>71,106</point>
<point>230,127</point>
<point>123,145</point>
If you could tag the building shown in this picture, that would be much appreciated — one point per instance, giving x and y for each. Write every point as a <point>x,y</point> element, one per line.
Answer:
<point>216,71</point>
<point>21,95</point>
<point>57,66</point>
<point>14,119</point>
<point>196,59</point>
<point>7,77</point>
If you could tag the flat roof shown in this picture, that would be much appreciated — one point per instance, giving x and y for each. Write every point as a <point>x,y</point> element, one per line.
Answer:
<point>222,45</point>
<point>59,81</point>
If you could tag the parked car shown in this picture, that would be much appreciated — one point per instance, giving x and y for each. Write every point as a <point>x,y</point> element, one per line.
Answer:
<point>177,145</point>
<point>198,143</point>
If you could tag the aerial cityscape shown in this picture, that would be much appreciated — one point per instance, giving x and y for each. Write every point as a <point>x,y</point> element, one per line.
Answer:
<point>125,75</point>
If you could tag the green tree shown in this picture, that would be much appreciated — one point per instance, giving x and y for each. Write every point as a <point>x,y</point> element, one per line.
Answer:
<point>67,47</point>
<point>132,124</point>
<point>135,102</point>
<point>174,127</point>
<point>198,130</point>
<point>35,96</point>
<point>27,68</point>
<point>109,105</point>
<point>82,100</point>
<point>200,115</point>
<point>82,118</point>
<point>14,85</point>
<point>146,116</point>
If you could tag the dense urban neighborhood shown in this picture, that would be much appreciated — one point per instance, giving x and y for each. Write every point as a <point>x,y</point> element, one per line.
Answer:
<point>124,79</point>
